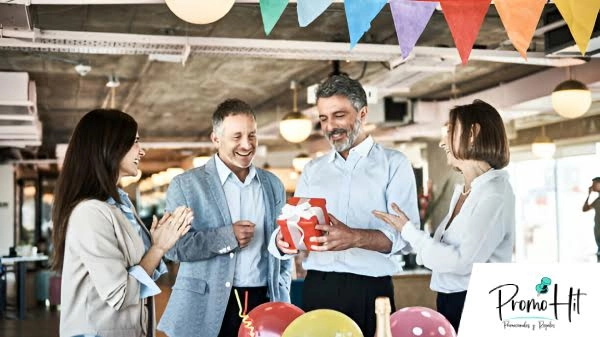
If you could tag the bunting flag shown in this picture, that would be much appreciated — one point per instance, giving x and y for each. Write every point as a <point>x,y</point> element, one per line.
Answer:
<point>410,18</point>
<point>580,16</point>
<point>464,18</point>
<point>309,10</point>
<point>271,11</point>
<point>359,14</point>
<point>520,18</point>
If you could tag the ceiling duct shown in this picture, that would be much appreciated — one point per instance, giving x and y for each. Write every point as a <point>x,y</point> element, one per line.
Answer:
<point>560,42</point>
<point>19,122</point>
<point>15,16</point>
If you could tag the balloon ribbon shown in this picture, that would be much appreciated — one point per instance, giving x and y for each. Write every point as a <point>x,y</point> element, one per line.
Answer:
<point>246,320</point>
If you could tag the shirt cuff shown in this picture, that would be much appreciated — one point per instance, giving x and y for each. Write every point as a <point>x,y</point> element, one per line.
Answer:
<point>410,233</point>
<point>398,242</point>
<point>159,271</point>
<point>147,286</point>
<point>272,247</point>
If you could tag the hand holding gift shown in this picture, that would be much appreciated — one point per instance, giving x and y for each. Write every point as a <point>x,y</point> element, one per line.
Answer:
<point>297,224</point>
<point>339,237</point>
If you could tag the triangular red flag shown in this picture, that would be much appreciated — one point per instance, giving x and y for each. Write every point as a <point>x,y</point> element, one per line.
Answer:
<point>464,18</point>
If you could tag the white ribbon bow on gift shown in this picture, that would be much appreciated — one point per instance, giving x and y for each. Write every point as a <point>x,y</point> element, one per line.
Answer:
<point>292,215</point>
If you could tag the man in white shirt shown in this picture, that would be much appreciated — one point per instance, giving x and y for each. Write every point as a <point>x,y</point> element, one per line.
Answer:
<point>351,265</point>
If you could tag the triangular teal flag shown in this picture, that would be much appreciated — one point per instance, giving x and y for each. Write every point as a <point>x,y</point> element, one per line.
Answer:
<point>309,10</point>
<point>359,14</point>
<point>271,11</point>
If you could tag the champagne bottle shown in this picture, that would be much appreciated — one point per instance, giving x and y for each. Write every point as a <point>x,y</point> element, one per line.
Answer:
<point>383,310</point>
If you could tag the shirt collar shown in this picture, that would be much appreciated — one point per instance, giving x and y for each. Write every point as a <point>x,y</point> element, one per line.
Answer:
<point>362,149</point>
<point>124,205</point>
<point>224,171</point>
<point>489,175</point>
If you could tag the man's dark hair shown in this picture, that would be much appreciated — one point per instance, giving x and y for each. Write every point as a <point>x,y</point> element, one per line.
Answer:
<point>344,86</point>
<point>230,107</point>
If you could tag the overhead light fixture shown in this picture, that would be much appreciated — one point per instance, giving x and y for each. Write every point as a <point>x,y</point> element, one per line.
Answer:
<point>200,12</point>
<point>571,98</point>
<point>113,81</point>
<point>199,161</point>
<point>295,127</point>
<point>543,147</point>
<point>300,161</point>
<point>83,69</point>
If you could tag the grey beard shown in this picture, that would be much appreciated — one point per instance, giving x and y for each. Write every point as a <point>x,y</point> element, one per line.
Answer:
<point>352,135</point>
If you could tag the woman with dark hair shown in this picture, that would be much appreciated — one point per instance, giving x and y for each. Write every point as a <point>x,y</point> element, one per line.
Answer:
<point>480,225</point>
<point>108,258</point>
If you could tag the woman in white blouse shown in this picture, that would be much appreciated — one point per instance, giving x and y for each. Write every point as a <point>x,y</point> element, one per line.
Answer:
<point>480,225</point>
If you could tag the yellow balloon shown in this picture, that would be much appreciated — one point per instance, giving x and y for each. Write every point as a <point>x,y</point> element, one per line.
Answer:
<point>200,11</point>
<point>323,323</point>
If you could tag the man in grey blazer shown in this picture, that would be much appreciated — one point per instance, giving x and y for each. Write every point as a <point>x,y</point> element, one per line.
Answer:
<point>235,206</point>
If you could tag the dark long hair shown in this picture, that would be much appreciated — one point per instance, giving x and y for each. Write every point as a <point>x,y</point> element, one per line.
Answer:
<point>91,168</point>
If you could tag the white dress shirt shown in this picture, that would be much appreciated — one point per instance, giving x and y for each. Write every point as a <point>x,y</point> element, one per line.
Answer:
<point>371,178</point>
<point>483,231</point>
<point>245,202</point>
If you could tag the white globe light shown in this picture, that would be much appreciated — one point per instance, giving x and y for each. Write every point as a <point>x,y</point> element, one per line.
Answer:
<point>295,127</point>
<point>543,147</point>
<point>300,161</point>
<point>571,99</point>
<point>200,11</point>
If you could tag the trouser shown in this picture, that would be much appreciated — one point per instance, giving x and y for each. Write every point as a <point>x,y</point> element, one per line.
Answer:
<point>232,320</point>
<point>351,294</point>
<point>451,306</point>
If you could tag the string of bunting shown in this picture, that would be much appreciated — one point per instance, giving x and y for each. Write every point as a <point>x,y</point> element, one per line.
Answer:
<point>464,18</point>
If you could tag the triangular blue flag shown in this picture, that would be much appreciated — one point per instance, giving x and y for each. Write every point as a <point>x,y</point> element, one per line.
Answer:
<point>359,14</point>
<point>309,10</point>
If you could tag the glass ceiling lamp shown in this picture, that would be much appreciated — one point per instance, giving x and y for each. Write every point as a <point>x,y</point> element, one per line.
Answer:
<point>300,161</point>
<point>295,127</point>
<point>571,98</point>
<point>543,147</point>
<point>200,11</point>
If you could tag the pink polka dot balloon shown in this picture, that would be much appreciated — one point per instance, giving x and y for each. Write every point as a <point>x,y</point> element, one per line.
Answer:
<point>420,322</point>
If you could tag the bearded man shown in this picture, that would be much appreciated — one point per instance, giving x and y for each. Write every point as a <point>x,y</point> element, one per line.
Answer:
<point>350,266</point>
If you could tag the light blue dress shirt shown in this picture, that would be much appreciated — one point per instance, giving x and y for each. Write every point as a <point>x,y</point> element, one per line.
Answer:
<point>371,178</point>
<point>148,287</point>
<point>245,202</point>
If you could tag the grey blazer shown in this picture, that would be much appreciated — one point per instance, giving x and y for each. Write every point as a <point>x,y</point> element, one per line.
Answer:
<point>207,253</point>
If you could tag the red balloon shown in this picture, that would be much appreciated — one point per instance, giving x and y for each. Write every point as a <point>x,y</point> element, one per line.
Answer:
<point>270,319</point>
<point>420,321</point>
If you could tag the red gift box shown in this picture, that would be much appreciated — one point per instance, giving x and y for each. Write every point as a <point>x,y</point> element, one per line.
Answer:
<point>298,220</point>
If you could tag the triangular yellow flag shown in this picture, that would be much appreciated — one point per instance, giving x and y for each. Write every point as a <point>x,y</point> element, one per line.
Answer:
<point>520,18</point>
<point>580,16</point>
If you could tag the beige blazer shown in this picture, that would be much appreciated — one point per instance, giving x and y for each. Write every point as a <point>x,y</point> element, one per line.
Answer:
<point>98,296</point>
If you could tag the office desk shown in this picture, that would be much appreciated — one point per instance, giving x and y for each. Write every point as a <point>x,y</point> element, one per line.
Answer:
<point>20,264</point>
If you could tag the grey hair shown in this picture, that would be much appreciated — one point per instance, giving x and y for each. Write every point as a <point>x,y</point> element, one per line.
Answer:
<point>230,107</point>
<point>344,86</point>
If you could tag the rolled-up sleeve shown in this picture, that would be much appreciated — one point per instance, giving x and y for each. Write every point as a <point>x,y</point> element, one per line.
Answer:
<point>402,190</point>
